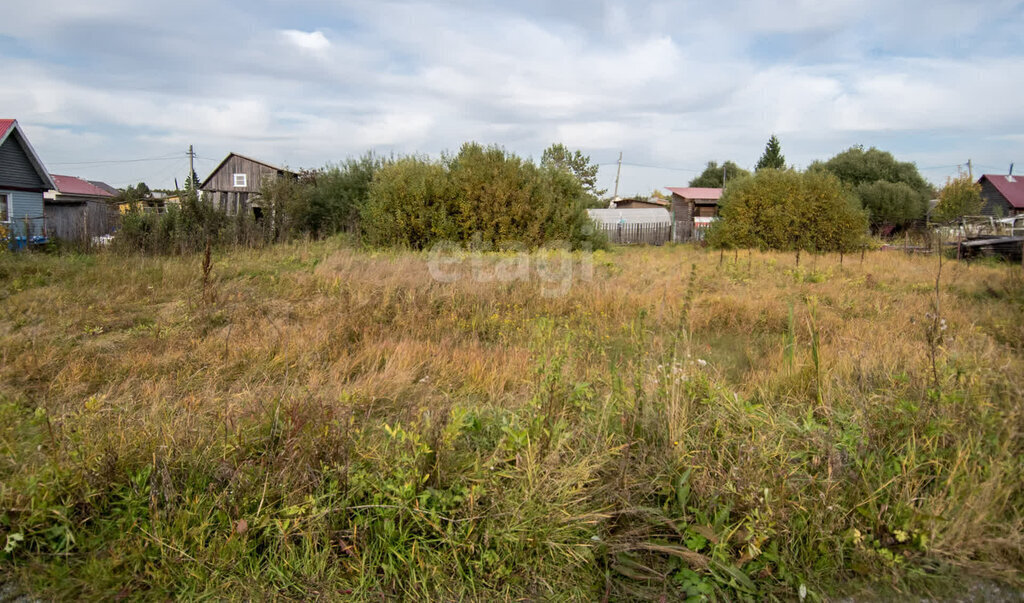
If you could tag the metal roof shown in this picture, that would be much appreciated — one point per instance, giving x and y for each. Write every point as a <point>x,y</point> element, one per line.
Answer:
<point>645,215</point>
<point>691,192</point>
<point>1010,187</point>
<point>70,185</point>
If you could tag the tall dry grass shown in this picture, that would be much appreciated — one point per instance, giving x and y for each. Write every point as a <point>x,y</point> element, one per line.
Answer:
<point>311,420</point>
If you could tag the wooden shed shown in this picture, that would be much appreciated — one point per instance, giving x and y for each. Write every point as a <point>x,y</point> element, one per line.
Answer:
<point>693,209</point>
<point>77,209</point>
<point>234,185</point>
<point>23,180</point>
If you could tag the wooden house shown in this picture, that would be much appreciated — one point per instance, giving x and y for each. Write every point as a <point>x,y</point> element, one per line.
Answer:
<point>693,209</point>
<point>77,210</point>
<point>1003,196</point>
<point>234,185</point>
<point>23,180</point>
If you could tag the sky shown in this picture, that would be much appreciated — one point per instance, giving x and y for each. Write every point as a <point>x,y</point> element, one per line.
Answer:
<point>116,90</point>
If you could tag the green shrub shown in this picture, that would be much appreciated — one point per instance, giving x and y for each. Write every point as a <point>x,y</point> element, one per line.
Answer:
<point>482,194</point>
<point>790,211</point>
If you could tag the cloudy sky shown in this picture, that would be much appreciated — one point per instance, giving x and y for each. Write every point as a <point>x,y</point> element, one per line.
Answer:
<point>117,89</point>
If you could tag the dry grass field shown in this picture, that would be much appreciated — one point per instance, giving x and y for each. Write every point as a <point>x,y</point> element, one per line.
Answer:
<point>318,421</point>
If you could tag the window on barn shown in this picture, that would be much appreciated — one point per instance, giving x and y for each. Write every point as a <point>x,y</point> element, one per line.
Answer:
<point>239,179</point>
<point>5,207</point>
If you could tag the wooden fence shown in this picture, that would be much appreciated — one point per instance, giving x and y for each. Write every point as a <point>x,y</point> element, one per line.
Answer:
<point>79,222</point>
<point>637,234</point>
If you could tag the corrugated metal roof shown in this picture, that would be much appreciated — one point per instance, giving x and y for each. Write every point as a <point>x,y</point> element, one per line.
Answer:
<point>70,185</point>
<point>712,194</point>
<point>646,215</point>
<point>1010,187</point>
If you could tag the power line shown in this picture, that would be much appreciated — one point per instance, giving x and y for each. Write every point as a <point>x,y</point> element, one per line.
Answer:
<point>653,167</point>
<point>107,161</point>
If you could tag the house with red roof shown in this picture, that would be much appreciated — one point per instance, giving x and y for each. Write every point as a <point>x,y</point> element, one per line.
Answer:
<point>693,209</point>
<point>23,180</point>
<point>77,209</point>
<point>1002,195</point>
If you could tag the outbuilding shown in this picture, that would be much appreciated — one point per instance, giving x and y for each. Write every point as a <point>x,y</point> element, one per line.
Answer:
<point>77,209</point>
<point>234,185</point>
<point>693,209</point>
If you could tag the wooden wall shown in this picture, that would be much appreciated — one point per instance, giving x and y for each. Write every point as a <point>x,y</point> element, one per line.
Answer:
<point>22,205</point>
<point>15,167</point>
<point>995,203</point>
<point>79,222</point>
<point>223,179</point>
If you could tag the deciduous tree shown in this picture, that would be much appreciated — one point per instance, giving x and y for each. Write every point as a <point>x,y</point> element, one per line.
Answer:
<point>577,164</point>
<point>960,197</point>
<point>712,175</point>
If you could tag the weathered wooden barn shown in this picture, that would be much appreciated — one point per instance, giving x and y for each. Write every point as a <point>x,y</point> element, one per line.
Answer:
<point>1003,196</point>
<point>234,185</point>
<point>77,210</point>
<point>23,180</point>
<point>693,209</point>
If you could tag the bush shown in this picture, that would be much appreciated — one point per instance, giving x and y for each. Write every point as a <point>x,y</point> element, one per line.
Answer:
<point>790,211</point>
<point>482,194</point>
<point>184,229</point>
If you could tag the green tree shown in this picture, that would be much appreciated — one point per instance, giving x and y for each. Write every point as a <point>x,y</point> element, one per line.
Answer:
<point>578,164</point>
<point>893,192</point>
<point>712,175</point>
<point>790,211</point>
<point>960,197</point>
<point>772,158</point>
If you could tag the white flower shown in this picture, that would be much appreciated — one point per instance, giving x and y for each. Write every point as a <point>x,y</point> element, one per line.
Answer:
<point>702,362</point>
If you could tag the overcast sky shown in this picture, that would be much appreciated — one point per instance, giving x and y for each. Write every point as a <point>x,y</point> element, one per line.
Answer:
<point>670,84</point>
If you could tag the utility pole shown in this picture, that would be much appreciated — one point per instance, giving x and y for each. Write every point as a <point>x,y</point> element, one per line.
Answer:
<point>191,169</point>
<point>970,170</point>
<point>723,176</point>
<point>618,173</point>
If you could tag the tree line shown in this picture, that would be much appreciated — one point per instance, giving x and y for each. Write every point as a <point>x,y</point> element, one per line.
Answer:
<point>832,205</point>
<point>488,195</point>
<point>482,195</point>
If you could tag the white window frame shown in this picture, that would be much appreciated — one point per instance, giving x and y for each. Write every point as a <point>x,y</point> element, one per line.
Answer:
<point>240,180</point>
<point>6,202</point>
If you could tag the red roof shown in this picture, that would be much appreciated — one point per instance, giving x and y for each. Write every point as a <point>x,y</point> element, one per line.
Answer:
<point>1010,187</point>
<point>5,124</point>
<point>697,193</point>
<point>69,185</point>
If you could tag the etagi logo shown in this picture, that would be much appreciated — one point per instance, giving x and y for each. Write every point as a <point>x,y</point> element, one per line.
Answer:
<point>554,266</point>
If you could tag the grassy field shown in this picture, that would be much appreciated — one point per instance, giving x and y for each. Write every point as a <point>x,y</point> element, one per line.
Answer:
<point>313,420</point>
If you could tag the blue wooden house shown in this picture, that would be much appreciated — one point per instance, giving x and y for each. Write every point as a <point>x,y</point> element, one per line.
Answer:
<point>23,180</point>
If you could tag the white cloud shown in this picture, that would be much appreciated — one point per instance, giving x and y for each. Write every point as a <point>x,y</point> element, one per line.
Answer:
<point>667,83</point>
<point>313,42</point>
